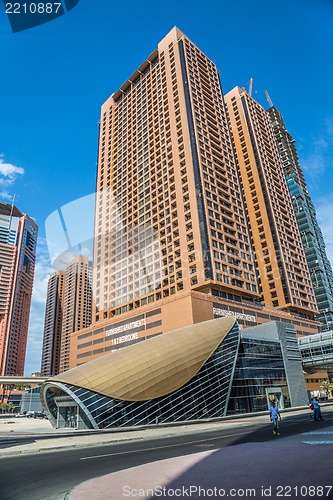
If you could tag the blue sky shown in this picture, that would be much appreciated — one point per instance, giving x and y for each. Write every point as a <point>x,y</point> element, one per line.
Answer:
<point>55,77</point>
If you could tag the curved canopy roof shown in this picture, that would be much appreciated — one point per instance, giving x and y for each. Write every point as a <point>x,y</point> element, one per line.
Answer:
<point>152,368</point>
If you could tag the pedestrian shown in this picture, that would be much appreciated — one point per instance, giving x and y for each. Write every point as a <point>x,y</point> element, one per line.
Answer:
<point>275,417</point>
<point>316,410</point>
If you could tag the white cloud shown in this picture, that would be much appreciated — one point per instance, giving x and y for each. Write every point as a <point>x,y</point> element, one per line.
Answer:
<point>315,163</point>
<point>9,172</point>
<point>4,195</point>
<point>317,156</point>
<point>37,312</point>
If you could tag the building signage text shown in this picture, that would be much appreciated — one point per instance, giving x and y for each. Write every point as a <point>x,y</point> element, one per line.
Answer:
<point>126,327</point>
<point>223,312</point>
<point>125,338</point>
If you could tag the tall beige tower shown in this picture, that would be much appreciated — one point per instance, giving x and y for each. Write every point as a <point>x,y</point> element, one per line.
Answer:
<point>172,243</point>
<point>284,275</point>
<point>169,198</point>
<point>77,306</point>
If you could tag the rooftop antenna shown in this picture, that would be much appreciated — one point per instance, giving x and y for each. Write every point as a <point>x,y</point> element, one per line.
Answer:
<point>268,99</point>
<point>250,87</point>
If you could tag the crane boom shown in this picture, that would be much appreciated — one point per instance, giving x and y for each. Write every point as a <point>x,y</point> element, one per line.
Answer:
<point>268,98</point>
<point>250,87</point>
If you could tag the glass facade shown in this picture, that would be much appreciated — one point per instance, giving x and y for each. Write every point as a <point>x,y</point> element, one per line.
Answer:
<point>203,371</point>
<point>206,395</point>
<point>312,238</point>
<point>259,369</point>
<point>317,349</point>
<point>315,251</point>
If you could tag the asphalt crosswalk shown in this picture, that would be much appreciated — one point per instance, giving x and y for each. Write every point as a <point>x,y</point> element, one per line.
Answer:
<point>318,438</point>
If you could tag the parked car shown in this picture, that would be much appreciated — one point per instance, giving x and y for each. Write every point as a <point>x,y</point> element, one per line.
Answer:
<point>40,415</point>
<point>36,414</point>
<point>30,414</point>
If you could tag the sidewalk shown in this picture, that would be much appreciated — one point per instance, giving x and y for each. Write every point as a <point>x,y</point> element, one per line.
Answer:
<point>207,469</point>
<point>31,436</point>
<point>28,435</point>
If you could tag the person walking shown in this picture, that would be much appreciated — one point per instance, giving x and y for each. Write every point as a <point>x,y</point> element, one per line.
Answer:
<point>316,410</point>
<point>275,417</point>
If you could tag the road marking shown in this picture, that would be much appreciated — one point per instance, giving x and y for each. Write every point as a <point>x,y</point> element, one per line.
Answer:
<point>204,445</point>
<point>318,442</point>
<point>316,432</point>
<point>161,447</point>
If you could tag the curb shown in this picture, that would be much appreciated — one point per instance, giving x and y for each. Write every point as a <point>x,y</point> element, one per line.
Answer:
<point>23,439</point>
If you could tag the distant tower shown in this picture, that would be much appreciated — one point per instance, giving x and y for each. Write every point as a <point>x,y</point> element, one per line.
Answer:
<point>18,238</point>
<point>284,273</point>
<point>53,324</point>
<point>312,238</point>
<point>77,310</point>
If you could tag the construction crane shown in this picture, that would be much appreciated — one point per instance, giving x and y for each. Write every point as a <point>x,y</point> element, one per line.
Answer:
<point>268,99</point>
<point>250,87</point>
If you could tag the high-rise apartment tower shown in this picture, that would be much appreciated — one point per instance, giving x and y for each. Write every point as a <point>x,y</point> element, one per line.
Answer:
<point>166,164</point>
<point>172,243</point>
<point>77,308</point>
<point>312,238</point>
<point>53,324</point>
<point>283,270</point>
<point>18,238</point>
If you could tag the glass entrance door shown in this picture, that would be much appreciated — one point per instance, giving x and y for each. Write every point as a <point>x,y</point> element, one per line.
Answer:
<point>70,417</point>
<point>275,394</point>
<point>67,416</point>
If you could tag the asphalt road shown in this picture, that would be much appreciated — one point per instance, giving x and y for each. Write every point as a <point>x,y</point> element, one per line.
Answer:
<point>49,476</point>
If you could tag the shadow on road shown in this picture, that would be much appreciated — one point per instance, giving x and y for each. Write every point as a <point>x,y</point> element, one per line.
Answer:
<point>11,441</point>
<point>259,464</point>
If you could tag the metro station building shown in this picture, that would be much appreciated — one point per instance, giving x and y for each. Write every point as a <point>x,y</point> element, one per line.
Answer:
<point>202,371</point>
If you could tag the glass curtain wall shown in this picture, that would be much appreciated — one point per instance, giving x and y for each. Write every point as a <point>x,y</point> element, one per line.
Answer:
<point>205,396</point>
<point>259,368</point>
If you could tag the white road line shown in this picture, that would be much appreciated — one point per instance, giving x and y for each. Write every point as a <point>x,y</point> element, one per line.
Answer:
<point>318,442</point>
<point>316,433</point>
<point>162,447</point>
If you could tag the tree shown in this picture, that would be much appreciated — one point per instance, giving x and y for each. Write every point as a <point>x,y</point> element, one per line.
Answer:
<point>7,407</point>
<point>327,386</point>
<point>10,407</point>
<point>4,392</point>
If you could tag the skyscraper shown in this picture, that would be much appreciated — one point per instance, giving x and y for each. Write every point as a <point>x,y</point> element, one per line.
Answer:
<point>77,303</point>
<point>283,271</point>
<point>172,244</point>
<point>312,238</point>
<point>18,238</point>
<point>166,157</point>
<point>53,324</point>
